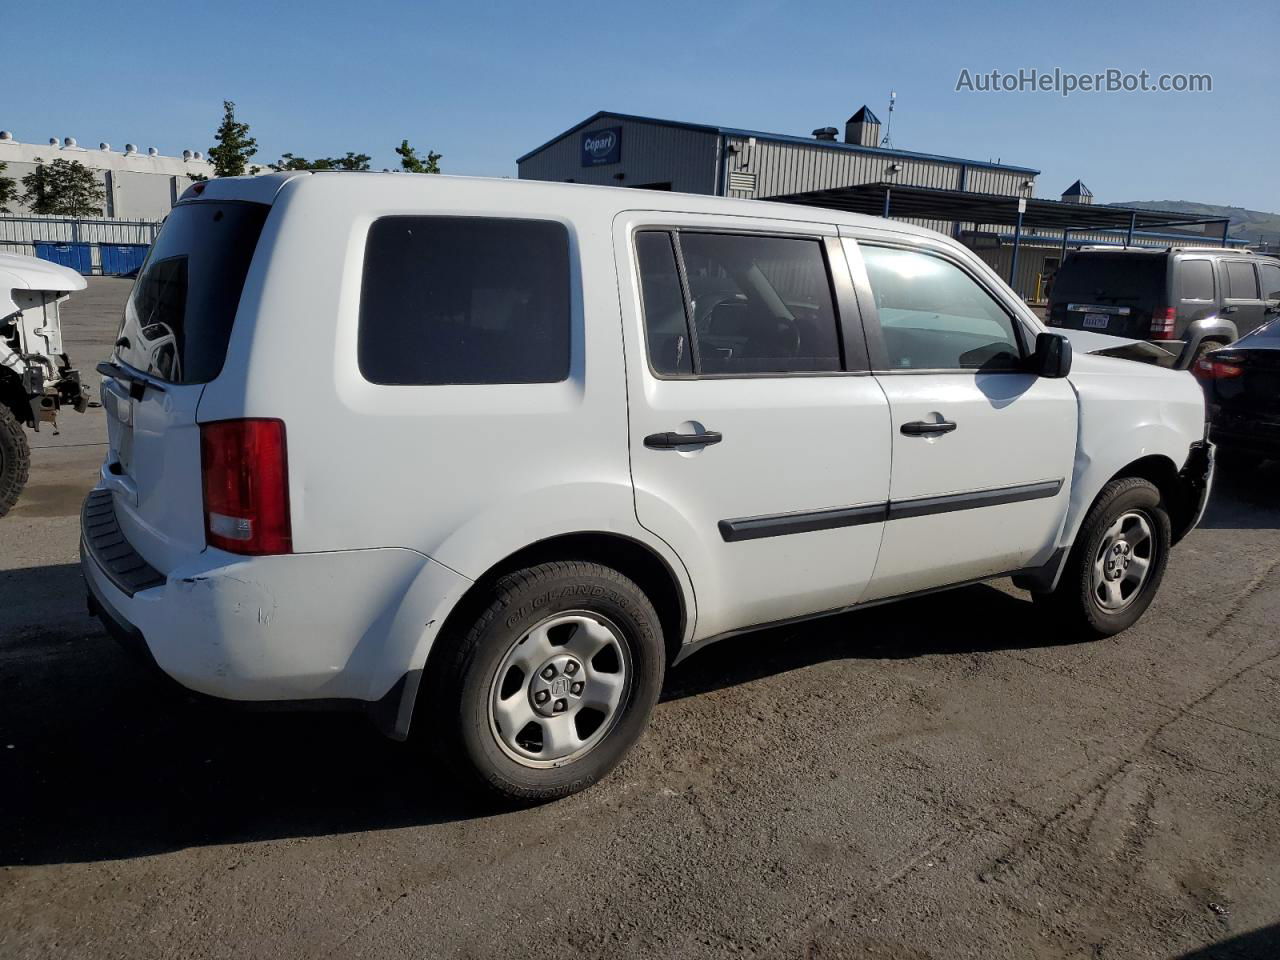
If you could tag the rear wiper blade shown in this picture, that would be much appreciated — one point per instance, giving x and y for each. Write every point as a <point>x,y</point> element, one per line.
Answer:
<point>138,382</point>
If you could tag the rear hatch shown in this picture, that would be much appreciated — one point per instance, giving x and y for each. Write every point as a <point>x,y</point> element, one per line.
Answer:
<point>1110,292</point>
<point>172,341</point>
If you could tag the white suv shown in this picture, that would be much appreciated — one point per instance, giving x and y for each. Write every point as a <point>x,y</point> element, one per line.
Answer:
<point>484,457</point>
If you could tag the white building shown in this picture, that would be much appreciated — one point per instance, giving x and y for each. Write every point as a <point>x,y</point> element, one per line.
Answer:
<point>139,185</point>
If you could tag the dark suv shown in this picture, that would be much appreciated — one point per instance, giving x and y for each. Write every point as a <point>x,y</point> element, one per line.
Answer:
<point>1188,299</point>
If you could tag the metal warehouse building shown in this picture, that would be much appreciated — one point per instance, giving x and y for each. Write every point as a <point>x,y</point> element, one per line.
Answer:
<point>982,203</point>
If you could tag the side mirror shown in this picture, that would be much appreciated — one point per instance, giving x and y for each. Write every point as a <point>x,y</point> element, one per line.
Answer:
<point>1052,358</point>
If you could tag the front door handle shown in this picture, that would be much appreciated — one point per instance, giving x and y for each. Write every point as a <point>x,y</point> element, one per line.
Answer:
<point>927,428</point>
<point>680,441</point>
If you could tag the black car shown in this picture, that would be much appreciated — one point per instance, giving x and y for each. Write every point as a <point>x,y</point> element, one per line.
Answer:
<point>1190,300</point>
<point>1242,387</point>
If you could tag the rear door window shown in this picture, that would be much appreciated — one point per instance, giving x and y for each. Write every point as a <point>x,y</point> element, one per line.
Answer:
<point>1270,276</point>
<point>178,319</point>
<point>1196,279</point>
<point>1241,281</point>
<point>760,304</point>
<point>465,300</point>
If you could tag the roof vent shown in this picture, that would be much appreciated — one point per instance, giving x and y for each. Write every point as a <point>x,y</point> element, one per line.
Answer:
<point>152,152</point>
<point>104,145</point>
<point>198,155</point>
<point>863,128</point>
<point>53,141</point>
<point>1077,193</point>
<point>5,135</point>
<point>187,154</point>
<point>825,133</point>
<point>130,149</point>
<point>69,142</point>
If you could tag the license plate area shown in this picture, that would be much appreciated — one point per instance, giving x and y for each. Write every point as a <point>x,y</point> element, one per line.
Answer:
<point>119,408</point>
<point>1097,320</point>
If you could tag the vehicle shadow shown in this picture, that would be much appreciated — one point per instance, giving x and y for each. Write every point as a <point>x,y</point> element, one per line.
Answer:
<point>1244,497</point>
<point>1260,944</point>
<point>974,619</point>
<point>101,761</point>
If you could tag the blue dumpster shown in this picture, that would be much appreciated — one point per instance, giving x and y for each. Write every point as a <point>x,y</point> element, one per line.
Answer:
<point>122,259</point>
<point>73,255</point>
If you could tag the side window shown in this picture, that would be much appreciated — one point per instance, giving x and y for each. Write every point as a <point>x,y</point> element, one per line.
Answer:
<point>760,304</point>
<point>1196,279</point>
<point>666,326</point>
<point>1242,282</point>
<point>464,300</point>
<point>934,316</point>
<point>1270,274</point>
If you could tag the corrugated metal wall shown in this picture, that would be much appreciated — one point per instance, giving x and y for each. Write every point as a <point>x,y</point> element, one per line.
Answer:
<point>785,168</point>
<point>650,154</point>
<point>21,235</point>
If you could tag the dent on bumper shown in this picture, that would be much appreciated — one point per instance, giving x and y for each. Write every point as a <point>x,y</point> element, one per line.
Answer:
<point>342,625</point>
<point>1196,477</point>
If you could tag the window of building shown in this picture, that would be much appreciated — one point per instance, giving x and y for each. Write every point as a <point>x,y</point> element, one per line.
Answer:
<point>1196,279</point>
<point>934,316</point>
<point>465,300</point>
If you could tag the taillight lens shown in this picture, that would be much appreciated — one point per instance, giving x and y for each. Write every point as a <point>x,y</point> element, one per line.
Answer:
<point>1162,323</point>
<point>1209,369</point>
<point>246,486</point>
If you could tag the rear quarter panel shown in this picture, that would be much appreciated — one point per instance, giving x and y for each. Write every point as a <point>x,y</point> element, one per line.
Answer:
<point>463,474</point>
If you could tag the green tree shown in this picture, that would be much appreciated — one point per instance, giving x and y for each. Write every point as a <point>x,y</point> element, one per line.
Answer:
<point>65,188</point>
<point>8,190</point>
<point>352,161</point>
<point>411,162</point>
<point>230,157</point>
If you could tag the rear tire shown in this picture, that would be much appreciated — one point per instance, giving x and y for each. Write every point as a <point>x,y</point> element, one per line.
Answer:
<point>1117,563</point>
<point>15,459</point>
<point>1205,348</point>
<point>547,689</point>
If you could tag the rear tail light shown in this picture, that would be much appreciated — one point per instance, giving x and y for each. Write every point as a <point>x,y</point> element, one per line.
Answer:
<point>1210,369</point>
<point>246,486</point>
<point>1162,323</point>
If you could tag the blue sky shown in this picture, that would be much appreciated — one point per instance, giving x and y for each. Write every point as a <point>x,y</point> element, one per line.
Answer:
<point>484,82</point>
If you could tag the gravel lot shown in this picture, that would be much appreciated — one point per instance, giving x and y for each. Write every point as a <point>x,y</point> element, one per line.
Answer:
<point>932,779</point>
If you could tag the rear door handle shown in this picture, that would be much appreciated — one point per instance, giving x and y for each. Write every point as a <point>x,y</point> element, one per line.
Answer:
<point>677,441</point>
<point>927,428</point>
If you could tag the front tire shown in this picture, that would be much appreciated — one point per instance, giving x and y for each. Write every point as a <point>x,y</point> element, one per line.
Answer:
<point>15,459</point>
<point>1117,563</point>
<point>549,687</point>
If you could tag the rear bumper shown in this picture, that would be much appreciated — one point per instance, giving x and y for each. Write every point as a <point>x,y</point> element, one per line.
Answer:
<point>1247,432</point>
<point>344,626</point>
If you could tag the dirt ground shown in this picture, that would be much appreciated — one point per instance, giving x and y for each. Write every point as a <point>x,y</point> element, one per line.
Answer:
<point>935,779</point>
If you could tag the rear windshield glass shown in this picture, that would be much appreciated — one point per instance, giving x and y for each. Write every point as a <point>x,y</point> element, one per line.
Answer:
<point>1110,277</point>
<point>178,319</point>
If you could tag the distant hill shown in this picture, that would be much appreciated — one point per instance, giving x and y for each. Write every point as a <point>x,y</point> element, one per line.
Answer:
<point>1252,226</point>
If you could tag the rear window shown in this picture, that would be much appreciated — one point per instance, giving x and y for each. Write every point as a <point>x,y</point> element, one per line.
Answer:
<point>178,318</point>
<point>465,300</point>
<point>1125,277</point>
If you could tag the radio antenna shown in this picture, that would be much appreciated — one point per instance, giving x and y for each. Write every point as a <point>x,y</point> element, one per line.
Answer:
<point>887,140</point>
